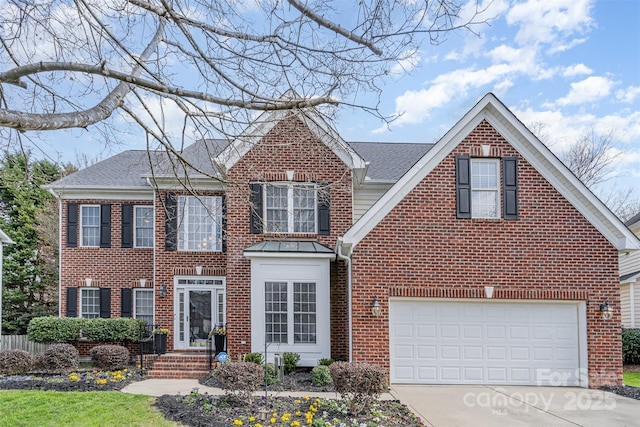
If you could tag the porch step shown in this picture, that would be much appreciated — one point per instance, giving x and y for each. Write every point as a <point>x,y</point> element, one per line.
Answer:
<point>179,366</point>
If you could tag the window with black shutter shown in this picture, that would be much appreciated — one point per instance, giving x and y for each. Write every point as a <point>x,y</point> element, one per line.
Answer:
<point>72,225</point>
<point>127,226</point>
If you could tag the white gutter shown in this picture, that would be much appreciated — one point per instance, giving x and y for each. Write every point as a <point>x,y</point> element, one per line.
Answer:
<point>347,259</point>
<point>632,303</point>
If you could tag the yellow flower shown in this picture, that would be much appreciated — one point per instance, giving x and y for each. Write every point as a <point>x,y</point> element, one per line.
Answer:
<point>275,414</point>
<point>306,398</point>
<point>237,422</point>
<point>273,420</point>
<point>298,413</point>
<point>258,425</point>
<point>286,417</point>
<point>101,381</point>
<point>74,377</point>
<point>295,424</point>
<point>252,419</point>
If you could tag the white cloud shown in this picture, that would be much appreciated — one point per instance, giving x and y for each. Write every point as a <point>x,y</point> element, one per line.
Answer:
<point>576,70</point>
<point>628,95</point>
<point>553,22</point>
<point>588,90</point>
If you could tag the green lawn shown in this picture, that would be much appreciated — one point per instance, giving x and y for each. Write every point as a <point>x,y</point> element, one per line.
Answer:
<point>631,378</point>
<point>82,409</point>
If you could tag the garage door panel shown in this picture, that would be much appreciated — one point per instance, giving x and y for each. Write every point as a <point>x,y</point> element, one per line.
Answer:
<point>482,342</point>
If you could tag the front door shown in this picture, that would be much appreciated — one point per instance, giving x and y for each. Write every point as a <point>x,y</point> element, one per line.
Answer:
<point>199,307</point>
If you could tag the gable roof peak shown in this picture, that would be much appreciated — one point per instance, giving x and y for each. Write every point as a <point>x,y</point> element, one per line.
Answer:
<point>260,127</point>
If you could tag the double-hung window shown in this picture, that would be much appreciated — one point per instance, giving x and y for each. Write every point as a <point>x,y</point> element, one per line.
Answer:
<point>143,305</point>
<point>290,208</point>
<point>90,225</point>
<point>200,223</point>
<point>89,303</point>
<point>143,220</point>
<point>485,193</point>
<point>290,312</point>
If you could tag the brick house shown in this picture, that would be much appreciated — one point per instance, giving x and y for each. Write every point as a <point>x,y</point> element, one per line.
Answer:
<point>478,259</point>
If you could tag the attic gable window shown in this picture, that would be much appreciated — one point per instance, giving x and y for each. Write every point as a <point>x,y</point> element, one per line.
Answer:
<point>200,223</point>
<point>478,192</point>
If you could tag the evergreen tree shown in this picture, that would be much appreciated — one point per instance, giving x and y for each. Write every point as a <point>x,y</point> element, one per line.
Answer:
<point>27,211</point>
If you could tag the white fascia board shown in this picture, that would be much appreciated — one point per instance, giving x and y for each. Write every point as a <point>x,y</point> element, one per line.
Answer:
<point>631,279</point>
<point>532,150</point>
<point>4,238</point>
<point>290,255</point>
<point>198,182</point>
<point>266,121</point>
<point>102,193</point>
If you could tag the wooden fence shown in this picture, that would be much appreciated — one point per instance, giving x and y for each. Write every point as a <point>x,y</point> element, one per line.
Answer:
<point>21,342</point>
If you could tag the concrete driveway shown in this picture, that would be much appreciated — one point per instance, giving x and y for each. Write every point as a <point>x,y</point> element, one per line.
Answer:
<point>448,406</point>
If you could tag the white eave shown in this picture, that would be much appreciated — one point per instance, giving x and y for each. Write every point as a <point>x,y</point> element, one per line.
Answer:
<point>318,126</point>
<point>102,193</point>
<point>530,148</point>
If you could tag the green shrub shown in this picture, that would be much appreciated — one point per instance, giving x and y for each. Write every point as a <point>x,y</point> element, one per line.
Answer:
<point>320,376</point>
<point>325,362</point>
<point>631,346</point>
<point>69,329</point>
<point>272,374</point>
<point>110,357</point>
<point>60,358</point>
<point>240,379</point>
<point>13,362</point>
<point>254,358</point>
<point>54,329</point>
<point>290,362</point>
<point>359,384</point>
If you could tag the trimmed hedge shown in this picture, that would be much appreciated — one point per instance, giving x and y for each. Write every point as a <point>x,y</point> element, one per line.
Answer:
<point>240,379</point>
<point>631,346</point>
<point>59,358</point>
<point>359,384</point>
<point>69,329</point>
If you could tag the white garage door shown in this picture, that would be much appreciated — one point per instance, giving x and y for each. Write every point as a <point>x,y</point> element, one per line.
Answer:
<point>451,342</point>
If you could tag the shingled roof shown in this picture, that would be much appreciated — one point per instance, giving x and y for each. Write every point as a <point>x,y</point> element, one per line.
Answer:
<point>388,161</point>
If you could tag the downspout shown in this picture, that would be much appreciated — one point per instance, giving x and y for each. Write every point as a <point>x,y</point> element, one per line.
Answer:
<point>153,279</point>
<point>632,304</point>
<point>58,196</point>
<point>347,259</point>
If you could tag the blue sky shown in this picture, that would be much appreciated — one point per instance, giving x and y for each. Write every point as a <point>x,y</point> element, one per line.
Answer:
<point>564,66</point>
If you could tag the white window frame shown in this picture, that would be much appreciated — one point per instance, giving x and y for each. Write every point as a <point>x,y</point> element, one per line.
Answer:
<point>485,190</point>
<point>291,206</point>
<point>136,228</point>
<point>83,309</point>
<point>291,312</point>
<point>83,226</point>
<point>136,292</point>
<point>185,226</point>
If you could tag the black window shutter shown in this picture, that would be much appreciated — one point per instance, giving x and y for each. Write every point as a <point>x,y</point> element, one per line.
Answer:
<point>105,303</point>
<point>224,223</point>
<point>324,210</point>
<point>127,226</point>
<point>255,205</point>
<point>463,187</point>
<point>126,302</point>
<point>171,222</point>
<point>72,302</point>
<point>105,226</point>
<point>72,225</point>
<point>510,187</point>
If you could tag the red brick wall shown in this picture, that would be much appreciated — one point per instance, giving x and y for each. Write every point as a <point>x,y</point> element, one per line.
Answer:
<point>289,146</point>
<point>179,263</point>
<point>113,267</point>
<point>550,252</point>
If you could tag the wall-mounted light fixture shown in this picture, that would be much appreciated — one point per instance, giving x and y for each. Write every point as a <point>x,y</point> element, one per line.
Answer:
<point>376,309</point>
<point>163,290</point>
<point>199,270</point>
<point>143,283</point>
<point>88,281</point>
<point>606,310</point>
